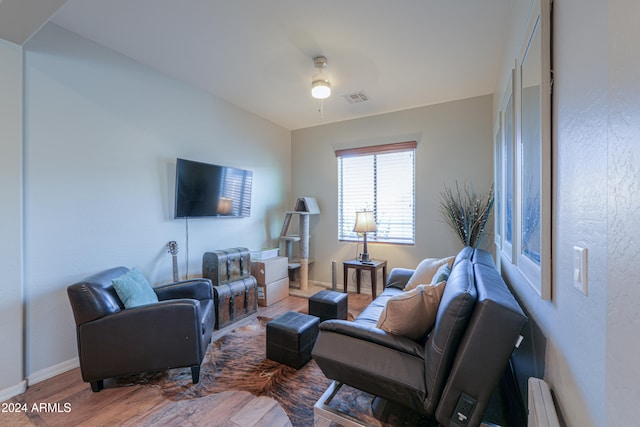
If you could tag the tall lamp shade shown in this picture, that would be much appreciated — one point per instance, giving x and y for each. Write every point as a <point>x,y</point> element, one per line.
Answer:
<point>365,223</point>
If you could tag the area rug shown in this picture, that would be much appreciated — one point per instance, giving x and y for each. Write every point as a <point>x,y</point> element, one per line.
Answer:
<point>237,361</point>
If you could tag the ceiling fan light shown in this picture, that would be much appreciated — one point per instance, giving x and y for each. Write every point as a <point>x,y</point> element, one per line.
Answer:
<point>320,86</point>
<point>321,89</point>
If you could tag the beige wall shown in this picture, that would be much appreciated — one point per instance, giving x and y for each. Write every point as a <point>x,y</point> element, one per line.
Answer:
<point>102,136</point>
<point>454,143</point>
<point>11,305</point>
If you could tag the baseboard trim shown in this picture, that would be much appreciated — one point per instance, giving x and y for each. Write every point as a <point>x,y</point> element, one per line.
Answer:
<point>13,391</point>
<point>364,289</point>
<point>52,371</point>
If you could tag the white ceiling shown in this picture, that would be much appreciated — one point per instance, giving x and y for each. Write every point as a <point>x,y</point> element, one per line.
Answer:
<point>19,19</point>
<point>258,54</point>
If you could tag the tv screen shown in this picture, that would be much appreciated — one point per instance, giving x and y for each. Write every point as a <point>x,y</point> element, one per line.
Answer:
<point>204,189</point>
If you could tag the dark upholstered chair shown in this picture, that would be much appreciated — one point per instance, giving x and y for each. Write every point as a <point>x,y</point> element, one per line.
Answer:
<point>113,341</point>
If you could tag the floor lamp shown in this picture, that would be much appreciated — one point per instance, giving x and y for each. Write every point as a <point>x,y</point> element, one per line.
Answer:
<point>365,223</point>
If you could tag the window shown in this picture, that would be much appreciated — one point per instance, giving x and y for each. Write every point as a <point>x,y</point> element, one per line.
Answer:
<point>382,179</point>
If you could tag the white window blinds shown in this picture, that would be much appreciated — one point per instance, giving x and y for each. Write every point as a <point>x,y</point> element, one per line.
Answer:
<point>382,179</point>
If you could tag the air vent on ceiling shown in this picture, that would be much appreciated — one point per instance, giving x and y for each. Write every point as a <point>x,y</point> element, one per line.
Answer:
<point>356,97</point>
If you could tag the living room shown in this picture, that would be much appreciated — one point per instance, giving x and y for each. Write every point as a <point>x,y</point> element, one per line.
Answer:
<point>90,138</point>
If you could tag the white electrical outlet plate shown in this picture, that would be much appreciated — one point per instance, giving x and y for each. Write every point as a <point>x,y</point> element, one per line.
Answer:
<point>580,269</point>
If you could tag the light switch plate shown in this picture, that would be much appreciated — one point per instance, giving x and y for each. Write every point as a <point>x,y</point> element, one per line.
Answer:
<point>580,269</point>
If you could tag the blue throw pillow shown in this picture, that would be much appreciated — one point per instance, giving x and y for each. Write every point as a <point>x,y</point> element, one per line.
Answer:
<point>442,274</point>
<point>134,290</point>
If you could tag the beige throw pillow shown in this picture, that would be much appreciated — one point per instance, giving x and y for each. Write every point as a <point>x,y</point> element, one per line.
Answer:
<point>425,270</point>
<point>412,314</point>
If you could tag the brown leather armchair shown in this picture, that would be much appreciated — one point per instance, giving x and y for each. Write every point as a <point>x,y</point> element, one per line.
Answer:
<point>113,341</point>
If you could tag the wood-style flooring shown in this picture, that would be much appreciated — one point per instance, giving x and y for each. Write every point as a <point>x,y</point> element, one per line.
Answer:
<point>65,400</point>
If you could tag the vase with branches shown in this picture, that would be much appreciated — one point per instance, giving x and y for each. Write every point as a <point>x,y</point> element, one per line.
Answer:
<point>466,212</point>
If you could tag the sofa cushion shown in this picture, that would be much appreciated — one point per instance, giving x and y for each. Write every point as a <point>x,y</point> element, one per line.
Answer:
<point>134,290</point>
<point>455,310</point>
<point>371,313</point>
<point>442,274</point>
<point>425,270</point>
<point>466,253</point>
<point>398,278</point>
<point>412,314</point>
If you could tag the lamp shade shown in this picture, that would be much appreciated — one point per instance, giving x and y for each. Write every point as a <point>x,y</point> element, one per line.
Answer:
<point>225,204</point>
<point>365,222</point>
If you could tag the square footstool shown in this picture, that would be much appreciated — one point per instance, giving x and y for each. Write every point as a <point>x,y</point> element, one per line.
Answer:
<point>290,338</point>
<point>329,305</point>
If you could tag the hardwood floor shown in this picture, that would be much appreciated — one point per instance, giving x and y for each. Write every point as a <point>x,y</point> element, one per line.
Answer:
<point>66,400</point>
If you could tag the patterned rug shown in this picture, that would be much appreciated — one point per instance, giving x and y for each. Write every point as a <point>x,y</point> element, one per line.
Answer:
<point>237,361</point>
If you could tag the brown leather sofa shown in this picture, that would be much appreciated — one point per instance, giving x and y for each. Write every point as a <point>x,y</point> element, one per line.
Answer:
<point>452,372</point>
<point>113,341</point>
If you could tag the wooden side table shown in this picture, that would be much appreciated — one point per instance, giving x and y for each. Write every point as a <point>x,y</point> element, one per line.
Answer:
<point>372,267</point>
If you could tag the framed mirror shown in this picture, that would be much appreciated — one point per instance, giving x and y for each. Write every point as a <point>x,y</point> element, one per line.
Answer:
<point>497,178</point>
<point>505,163</point>
<point>533,155</point>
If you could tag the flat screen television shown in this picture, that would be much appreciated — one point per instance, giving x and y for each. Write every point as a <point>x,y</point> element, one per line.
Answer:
<point>203,189</point>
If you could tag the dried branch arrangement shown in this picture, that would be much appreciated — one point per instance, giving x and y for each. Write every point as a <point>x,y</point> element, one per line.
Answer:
<point>466,212</point>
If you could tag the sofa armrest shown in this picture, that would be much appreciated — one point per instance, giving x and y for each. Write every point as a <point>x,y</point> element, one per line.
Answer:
<point>200,289</point>
<point>373,335</point>
<point>488,341</point>
<point>398,278</point>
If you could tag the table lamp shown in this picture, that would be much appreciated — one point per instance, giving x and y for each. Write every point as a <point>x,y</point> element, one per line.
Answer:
<point>365,223</point>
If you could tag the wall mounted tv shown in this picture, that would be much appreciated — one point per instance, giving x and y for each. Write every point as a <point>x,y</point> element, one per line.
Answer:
<point>204,189</point>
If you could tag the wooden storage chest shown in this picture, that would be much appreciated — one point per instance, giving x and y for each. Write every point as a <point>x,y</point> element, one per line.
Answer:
<point>235,300</point>
<point>227,265</point>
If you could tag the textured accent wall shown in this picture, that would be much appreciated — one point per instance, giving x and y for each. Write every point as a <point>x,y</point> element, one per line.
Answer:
<point>623,208</point>
<point>592,340</point>
<point>577,328</point>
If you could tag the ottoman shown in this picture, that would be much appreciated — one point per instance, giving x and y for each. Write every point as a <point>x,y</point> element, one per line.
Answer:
<point>329,305</point>
<point>290,338</point>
